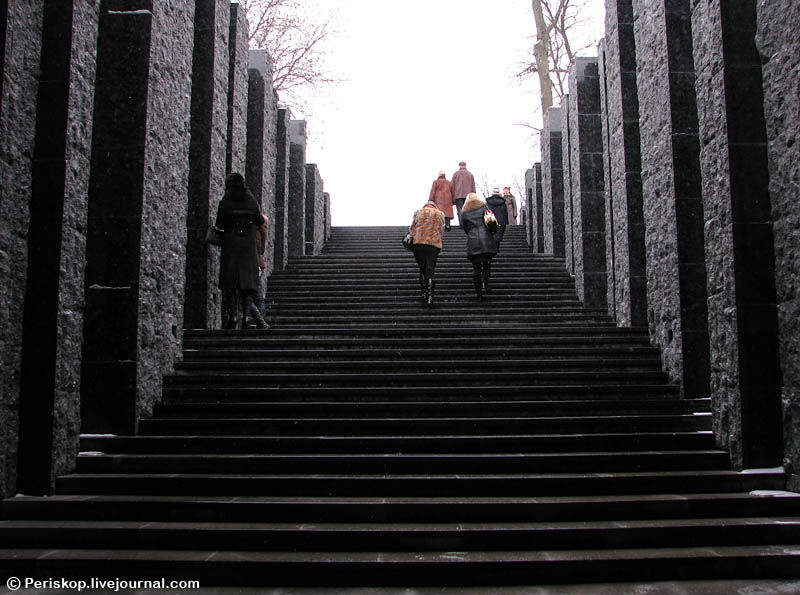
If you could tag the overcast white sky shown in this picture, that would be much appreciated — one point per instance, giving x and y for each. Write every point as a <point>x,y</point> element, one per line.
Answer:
<point>427,84</point>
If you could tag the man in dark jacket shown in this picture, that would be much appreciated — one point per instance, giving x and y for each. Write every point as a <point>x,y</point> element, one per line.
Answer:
<point>497,204</point>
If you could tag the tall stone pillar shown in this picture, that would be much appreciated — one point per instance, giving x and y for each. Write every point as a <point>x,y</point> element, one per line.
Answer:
<point>537,211</point>
<point>315,211</point>
<point>262,114</point>
<point>566,165</point>
<point>327,215</point>
<point>587,196</point>
<point>742,308</point>
<point>297,188</point>
<point>530,191</point>
<point>54,302</point>
<point>20,70</point>
<point>673,206</point>
<point>237,90</point>
<point>207,150</point>
<point>137,221</point>
<point>779,45</point>
<point>553,183</point>
<point>282,151</point>
<point>625,247</point>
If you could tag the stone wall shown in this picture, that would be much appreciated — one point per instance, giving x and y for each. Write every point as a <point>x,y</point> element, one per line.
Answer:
<point>627,295</point>
<point>237,90</point>
<point>529,198</point>
<point>262,120</point>
<point>296,204</point>
<point>566,166</point>
<point>22,50</point>
<point>673,210</point>
<point>315,210</point>
<point>166,179</point>
<point>207,161</point>
<point>536,211</point>
<point>742,313</point>
<point>587,198</point>
<point>779,46</point>
<point>282,151</point>
<point>553,187</point>
<point>54,303</point>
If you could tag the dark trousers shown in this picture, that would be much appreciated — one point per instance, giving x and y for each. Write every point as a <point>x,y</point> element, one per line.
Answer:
<point>459,205</point>
<point>426,256</point>
<point>481,269</point>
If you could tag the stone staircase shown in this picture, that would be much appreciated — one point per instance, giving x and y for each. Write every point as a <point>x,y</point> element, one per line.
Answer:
<point>368,441</point>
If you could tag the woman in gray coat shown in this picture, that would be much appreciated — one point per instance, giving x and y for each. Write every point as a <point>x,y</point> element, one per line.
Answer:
<point>237,214</point>
<point>481,246</point>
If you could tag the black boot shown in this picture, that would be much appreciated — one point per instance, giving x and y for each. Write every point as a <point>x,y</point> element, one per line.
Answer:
<point>257,316</point>
<point>478,283</point>
<point>486,273</point>
<point>229,310</point>
<point>423,286</point>
<point>430,293</point>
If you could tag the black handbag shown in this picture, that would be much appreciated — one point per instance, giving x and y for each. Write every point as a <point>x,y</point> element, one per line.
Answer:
<point>408,241</point>
<point>214,235</point>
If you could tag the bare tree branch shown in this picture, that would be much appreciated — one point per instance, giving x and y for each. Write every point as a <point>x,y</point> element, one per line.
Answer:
<point>295,43</point>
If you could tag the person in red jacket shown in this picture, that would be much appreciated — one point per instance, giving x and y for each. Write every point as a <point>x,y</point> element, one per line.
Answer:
<point>442,195</point>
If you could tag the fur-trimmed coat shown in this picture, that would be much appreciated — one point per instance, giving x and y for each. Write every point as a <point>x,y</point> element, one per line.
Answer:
<point>479,240</point>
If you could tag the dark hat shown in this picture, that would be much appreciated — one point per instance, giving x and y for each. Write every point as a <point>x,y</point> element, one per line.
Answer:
<point>234,180</point>
<point>460,163</point>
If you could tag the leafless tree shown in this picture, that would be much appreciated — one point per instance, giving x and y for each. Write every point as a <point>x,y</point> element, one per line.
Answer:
<point>553,51</point>
<point>295,42</point>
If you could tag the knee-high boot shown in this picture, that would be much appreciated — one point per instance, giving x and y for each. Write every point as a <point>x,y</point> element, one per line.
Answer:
<point>423,286</point>
<point>430,293</point>
<point>486,273</point>
<point>478,283</point>
<point>229,306</point>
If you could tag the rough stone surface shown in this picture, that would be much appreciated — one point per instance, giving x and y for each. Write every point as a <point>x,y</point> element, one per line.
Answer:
<point>281,188</point>
<point>207,149</point>
<point>327,215</point>
<point>553,183</point>
<point>66,410</point>
<point>537,211</point>
<point>17,117</point>
<point>676,283</point>
<point>237,90</point>
<point>627,291</point>
<point>161,280</point>
<point>315,210</point>
<point>779,46</point>
<point>527,209</point>
<point>566,165</point>
<point>296,207</point>
<point>262,113</point>
<point>742,315</point>
<point>587,196</point>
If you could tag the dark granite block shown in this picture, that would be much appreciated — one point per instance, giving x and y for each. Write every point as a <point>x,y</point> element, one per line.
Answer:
<point>694,309</point>
<point>689,213</point>
<point>592,172</point>
<point>589,93</point>
<point>113,251</point>
<point>679,36</point>
<point>627,47</point>
<point>630,98</point>
<point>624,10</point>
<point>590,133</point>
<point>111,320</point>
<point>753,263</point>
<point>683,102</point>
<point>594,251</point>
<point>686,158</point>
<point>102,408</point>
<point>739,32</point>
<point>749,175</point>
<point>696,362</point>
<point>744,104</point>
<point>595,289</point>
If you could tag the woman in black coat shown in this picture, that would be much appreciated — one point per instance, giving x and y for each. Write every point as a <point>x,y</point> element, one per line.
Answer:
<point>481,246</point>
<point>497,203</point>
<point>237,214</point>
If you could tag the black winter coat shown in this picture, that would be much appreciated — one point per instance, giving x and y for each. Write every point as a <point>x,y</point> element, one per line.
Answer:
<point>238,212</point>
<point>497,204</point>
<point>479,240</point>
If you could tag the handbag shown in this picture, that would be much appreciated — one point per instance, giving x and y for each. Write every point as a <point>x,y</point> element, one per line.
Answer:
<point>408,241</point>
<point>214,235</point>
<point>490,221</point>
